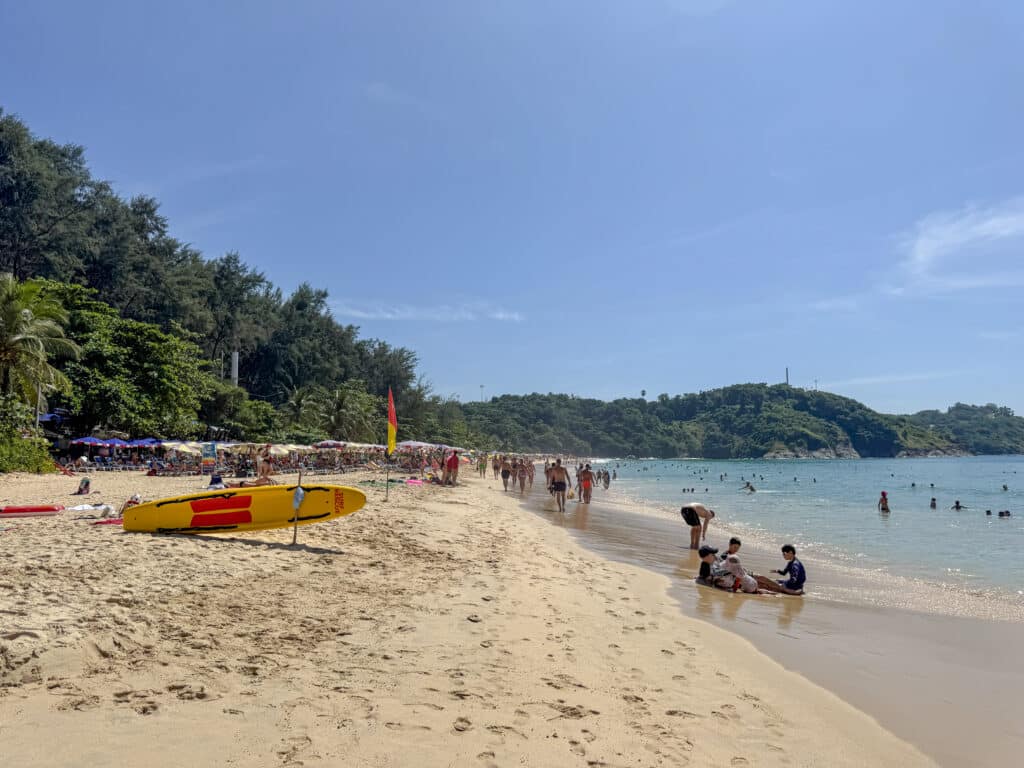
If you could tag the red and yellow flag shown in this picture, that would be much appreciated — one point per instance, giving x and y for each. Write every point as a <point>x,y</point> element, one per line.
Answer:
<point>392,423</point>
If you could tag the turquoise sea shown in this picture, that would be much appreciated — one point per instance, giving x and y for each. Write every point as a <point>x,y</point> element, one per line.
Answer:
<point>828,510</point>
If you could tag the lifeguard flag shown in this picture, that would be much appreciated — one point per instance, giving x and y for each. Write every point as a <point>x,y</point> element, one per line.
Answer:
<point>392,423</point>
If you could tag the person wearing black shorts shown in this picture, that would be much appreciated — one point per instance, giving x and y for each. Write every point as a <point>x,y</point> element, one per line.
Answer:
<point>697,516</point>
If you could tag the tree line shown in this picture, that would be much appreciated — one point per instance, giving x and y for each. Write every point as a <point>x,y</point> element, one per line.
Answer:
<point>740,421</point>
<point>148,324</point>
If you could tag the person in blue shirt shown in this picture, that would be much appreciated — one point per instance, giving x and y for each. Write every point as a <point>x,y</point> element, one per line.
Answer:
<point>794,569</point>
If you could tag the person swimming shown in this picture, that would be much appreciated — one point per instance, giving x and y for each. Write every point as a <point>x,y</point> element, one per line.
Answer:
<point>883,503</point>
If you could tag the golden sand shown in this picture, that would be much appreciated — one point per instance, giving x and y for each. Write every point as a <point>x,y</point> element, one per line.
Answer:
<point>446,627</point>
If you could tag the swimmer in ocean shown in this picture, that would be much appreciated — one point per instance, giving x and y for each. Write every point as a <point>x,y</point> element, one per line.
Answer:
<point>883,503</point>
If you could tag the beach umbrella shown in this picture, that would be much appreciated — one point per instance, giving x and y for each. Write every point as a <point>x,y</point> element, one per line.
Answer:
<point>183,447</point>
<point>413,444</point>
<point>117,442</point>
<point>88,441</point>
<point>325,444</point>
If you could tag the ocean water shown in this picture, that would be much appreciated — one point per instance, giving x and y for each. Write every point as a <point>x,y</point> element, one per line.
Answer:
<point>828,510</point>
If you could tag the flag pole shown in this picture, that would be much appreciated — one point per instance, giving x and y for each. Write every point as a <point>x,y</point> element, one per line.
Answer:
<point>299,493</point>
<point>390,450</point>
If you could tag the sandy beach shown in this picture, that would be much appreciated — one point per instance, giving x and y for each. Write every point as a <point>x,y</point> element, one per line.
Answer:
<point>445,627</point>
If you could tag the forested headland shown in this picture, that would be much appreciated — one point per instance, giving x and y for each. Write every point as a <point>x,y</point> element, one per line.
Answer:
<point>124,329</point>
<point>740,421</point>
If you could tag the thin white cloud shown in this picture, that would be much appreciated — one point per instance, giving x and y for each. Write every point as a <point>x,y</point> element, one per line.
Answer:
<point>1003,335</point>
<point>893,378</point>
<point>971,248</point>
<point>439,313</point>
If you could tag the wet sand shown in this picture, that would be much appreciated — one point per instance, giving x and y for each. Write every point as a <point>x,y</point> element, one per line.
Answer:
<point>948,684</point>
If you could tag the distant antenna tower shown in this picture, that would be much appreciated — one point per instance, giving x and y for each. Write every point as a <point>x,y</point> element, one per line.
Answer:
<point>787,375</point>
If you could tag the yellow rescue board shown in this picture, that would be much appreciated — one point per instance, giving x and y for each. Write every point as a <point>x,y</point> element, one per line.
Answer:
<point>243,509</point>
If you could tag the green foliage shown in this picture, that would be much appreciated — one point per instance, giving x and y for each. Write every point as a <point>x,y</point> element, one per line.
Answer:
<point>20,453</point>
<point>31,339</point>
<point>982,429</point>
<point>130,376</point>
<point>21,449</point>
<point>258,421</point>
<point>742,421</point>
<point>58,223</point>
<point>349,413</point>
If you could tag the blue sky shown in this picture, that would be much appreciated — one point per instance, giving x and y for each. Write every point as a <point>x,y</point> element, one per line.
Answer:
<point>589,197</point>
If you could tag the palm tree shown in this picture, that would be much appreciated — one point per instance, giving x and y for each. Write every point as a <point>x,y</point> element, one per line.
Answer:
<point>31,335</point>
<point>304,405</point>
<point>348,413</point>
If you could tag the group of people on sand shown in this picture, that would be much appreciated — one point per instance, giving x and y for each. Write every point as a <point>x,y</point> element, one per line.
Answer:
<point>513,471</point>
<point>559,482</point>
<point>725,571</point>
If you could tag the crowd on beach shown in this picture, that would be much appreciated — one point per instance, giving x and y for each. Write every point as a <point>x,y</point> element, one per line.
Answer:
<point>723,571</point>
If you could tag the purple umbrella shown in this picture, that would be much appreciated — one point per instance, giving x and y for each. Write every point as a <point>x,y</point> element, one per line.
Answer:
<point>88,441</point>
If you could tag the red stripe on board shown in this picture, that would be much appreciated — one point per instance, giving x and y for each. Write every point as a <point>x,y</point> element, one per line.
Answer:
<point>224,518</point>
<point>212,505</point>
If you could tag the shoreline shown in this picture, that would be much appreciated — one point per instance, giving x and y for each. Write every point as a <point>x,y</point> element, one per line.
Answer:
<point>445,625</point>
<point>910,670</point>
<point>842,576</point>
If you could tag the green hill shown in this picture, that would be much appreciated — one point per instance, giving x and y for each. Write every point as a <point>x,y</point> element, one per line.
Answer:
<point>981,429</point>
<point>741,421</point>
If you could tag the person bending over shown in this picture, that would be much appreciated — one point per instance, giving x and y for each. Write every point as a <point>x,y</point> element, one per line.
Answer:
<point>697,516</point>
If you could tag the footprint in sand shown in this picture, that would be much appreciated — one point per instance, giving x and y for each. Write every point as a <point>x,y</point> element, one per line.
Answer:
<point>462,725</point>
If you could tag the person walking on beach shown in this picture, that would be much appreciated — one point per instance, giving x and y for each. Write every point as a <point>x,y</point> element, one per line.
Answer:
<point>559,483</point>
<point>506,471</point>
<point>697,516</point>
<point>523,474</point>
<point>586,484</point>
<point>883,503</point>
<point>451,468</point>
<point>496,466</point>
